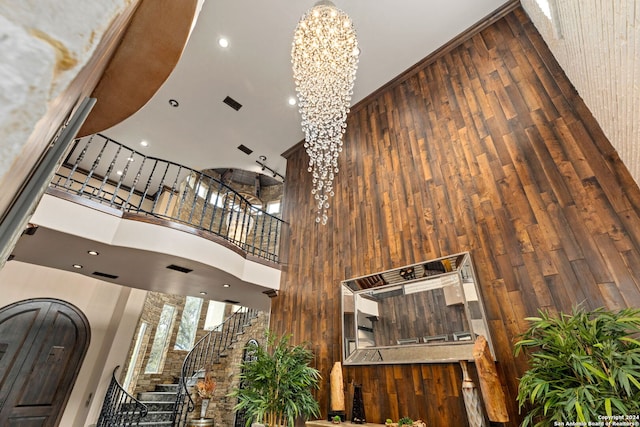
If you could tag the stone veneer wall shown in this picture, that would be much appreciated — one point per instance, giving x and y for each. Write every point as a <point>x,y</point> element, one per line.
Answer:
<point>174,358</point>
<point>225,374</point>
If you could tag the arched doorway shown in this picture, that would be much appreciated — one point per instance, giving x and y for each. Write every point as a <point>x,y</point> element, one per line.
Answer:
<point>42,345</point>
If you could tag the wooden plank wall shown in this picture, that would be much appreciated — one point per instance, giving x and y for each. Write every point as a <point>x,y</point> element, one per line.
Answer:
<point>486,149</point>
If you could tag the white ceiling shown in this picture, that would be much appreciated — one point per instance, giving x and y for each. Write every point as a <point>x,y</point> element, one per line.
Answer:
<point>255,70</point>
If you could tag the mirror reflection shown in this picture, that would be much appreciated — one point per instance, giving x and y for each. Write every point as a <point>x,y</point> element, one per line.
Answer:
<point>426,312</point>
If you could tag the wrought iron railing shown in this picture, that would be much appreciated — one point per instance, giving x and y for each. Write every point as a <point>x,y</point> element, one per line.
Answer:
<point>119,408</point>
<point>204,354</point>
<point>103,170</point>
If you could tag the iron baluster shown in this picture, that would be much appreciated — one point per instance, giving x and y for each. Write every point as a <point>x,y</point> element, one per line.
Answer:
<point>77,162</point>
<point>146,188</point>
<point>95,164</point>
<point>120,181</point>
<point>206,202</point>
<point>136,179</point>
<point>196,193</point>
<point>119,408</point>
<point>109,170</point>
<point>184,194</point>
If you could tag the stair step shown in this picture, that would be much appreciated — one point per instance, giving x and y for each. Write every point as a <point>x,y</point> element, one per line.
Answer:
<point>157,396</point>
<point>173,388</point>
<point>155,423</point>
<point>160,406</point>
<point>158,416</point>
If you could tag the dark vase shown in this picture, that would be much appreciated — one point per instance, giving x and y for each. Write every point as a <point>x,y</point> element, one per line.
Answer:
<point>357,414</point>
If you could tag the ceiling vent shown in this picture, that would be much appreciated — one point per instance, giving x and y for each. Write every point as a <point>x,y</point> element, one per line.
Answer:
<point>105,275</point>
<point>230,301</point>
<point>232,103</point>
<point>179,268</point>
<point>245,149</point>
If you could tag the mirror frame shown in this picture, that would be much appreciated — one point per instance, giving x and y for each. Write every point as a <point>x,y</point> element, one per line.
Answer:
<point>454,274</point>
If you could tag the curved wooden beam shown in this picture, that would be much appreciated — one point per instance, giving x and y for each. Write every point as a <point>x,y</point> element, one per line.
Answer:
<point>146,56</point>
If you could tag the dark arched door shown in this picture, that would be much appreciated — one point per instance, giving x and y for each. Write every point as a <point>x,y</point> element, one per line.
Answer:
<point>42,345</point>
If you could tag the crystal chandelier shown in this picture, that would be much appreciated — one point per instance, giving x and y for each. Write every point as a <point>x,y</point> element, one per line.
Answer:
<point>324,55</point>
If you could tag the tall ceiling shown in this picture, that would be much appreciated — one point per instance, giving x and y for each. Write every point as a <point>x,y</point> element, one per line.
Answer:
<point>202,132</point>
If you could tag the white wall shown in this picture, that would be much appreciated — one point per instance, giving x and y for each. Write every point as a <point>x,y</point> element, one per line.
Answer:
<point>113,312</point>
<point>597,43</point>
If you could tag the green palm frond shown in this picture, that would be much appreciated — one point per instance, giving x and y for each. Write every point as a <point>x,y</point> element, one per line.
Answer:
<point>582,365</point>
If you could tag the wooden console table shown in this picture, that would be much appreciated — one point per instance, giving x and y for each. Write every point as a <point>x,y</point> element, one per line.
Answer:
<point>324,423</point>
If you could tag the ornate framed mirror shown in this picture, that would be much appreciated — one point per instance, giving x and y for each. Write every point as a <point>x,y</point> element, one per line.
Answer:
<point>429,312</point>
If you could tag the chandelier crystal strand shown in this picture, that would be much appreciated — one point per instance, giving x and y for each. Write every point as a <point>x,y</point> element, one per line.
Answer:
<point>324,55</point>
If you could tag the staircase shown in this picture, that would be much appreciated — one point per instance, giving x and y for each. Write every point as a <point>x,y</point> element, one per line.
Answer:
<point>206,353</point>
<point>171,404</point>
<point>159,404</point>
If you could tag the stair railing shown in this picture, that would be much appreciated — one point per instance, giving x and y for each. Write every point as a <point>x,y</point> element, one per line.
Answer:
<point>119,408</point>
<point>105,171</point>
<point>204,354</point>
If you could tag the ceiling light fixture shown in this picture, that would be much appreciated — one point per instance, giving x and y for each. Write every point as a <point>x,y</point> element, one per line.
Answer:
<point>324,55</point>
<point>223,42</point>
<point>144,143</point>
<point>94,253</point>
<point>203,293</point>
<point>292,101</point>
<point>226,285</point>
<point>78,266</point>
<point>174,103</point>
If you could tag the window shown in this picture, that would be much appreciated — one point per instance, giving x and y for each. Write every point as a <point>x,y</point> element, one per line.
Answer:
<point>161,340</point>
<point>188,323</point>
<point>135,356</point>
<point>215,315</point>
<point>273,207</point>
<point>216,199</point>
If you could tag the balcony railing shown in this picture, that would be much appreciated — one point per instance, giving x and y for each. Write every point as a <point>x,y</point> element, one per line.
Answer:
<point>119,407</point>
<point>103,170</point>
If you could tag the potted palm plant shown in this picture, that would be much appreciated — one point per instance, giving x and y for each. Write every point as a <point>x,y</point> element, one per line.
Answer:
<point>584,367</point>
<point>277,383</point>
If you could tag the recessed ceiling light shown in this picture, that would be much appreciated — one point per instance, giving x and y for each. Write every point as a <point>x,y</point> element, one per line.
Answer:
<point>223,42</point>
<point>292,101</point>
<point>203,293</point>
<point>226,285</point>
<point>78,266</point>
<point>174,103</point>
<point>94,253</point>
<point>129,159</point>
<point>144,143</point>
<point>118,172</point>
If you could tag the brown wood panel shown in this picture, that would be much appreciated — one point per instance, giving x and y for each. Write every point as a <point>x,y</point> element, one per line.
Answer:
<point>485,147</point>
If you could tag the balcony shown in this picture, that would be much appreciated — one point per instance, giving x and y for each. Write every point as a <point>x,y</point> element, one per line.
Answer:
<point>157,226</point>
